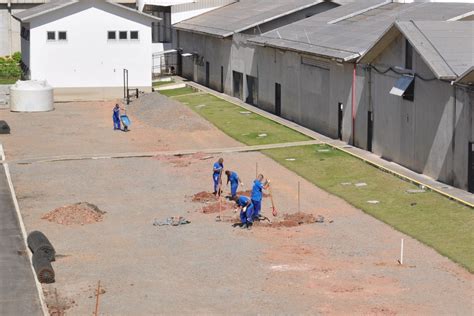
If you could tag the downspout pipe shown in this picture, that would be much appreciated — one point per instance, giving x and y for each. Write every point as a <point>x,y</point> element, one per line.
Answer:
<point>353,103</point>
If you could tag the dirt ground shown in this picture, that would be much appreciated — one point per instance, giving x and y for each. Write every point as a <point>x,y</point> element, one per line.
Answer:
<point>345,265</point>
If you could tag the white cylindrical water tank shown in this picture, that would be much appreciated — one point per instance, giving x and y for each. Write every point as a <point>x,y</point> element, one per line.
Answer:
<point>31,96</point>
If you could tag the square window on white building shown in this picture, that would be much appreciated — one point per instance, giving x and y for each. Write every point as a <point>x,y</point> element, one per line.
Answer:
<point>134,35</point>
<point>51,36</point>
<point>62,35</point>
<point>111,35</point>
<point>123,35</point>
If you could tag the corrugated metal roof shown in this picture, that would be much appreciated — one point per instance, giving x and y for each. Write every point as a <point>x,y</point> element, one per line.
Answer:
<point>33,12</point>
<point>349,38</point>
<point>446,47</point>
<point>242,15</point>
<point>452,41</point>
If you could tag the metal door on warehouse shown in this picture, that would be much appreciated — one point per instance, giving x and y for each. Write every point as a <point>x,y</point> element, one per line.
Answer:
<point>471,167</point>
<point>238,78</point>
<point>278,99</point>
<point>207,74</point>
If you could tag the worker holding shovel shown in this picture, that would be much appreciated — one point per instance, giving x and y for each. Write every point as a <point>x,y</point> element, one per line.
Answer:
<point>257,195</point>
<point>217,176</point>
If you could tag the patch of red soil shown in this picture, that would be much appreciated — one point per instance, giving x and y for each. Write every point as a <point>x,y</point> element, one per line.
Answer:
<point>181,161</point>
<point>56,303</point>
<point>75,214</point>
<point>204,197</point>
<point>382,311</point>
<point>291,220</point>
<point>217,207</point>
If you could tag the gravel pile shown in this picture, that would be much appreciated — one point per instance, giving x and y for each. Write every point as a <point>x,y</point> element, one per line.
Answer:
<point>75,214</point>
<point>157,110</point>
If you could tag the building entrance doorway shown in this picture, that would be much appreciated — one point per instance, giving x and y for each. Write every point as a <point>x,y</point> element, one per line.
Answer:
<point>238,80</point>
<point>471,167</point>
<point>340,116</point>
<point>370,130</point>
<point>278,99</point>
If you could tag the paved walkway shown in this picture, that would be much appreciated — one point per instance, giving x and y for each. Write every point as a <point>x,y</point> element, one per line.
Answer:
<point>164,153</point>
<point>402,172</point>
<point>18,292</point>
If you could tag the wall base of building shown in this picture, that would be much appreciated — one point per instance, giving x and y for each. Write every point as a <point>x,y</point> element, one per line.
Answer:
<point>92,93</point>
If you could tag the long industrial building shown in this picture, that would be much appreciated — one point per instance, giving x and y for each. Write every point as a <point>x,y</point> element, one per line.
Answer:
<point>315,69</point>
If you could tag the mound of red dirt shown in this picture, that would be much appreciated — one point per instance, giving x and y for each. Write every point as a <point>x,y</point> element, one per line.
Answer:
<point>217,207</point>
<point>75,214</point>
<point>204,197</point>
<point>291,220</point>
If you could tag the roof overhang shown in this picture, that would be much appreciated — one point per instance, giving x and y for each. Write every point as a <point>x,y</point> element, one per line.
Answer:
<point>327,53</point>
<point>418,41</point>
<point>64,4</point>
<point>228,33</point>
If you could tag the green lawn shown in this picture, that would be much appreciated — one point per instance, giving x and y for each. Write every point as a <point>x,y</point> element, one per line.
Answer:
<point>248,128</point>
<point>177,92</point>
<point>438,222</point>
<point>162,83</point>
<point>445,225</point>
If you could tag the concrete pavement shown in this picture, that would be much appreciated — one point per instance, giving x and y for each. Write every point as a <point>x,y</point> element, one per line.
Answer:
<point>18,292</point>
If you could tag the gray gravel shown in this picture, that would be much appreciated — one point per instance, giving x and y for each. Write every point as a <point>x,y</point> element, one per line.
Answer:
<point>157,110</point>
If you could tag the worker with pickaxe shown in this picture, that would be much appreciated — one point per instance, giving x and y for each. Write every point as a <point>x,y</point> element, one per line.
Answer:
<point>257,194</point>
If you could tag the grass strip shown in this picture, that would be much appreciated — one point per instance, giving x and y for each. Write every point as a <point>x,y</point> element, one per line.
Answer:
<point>162,83</point>
<point>244,126</point>
<point>177,92</point>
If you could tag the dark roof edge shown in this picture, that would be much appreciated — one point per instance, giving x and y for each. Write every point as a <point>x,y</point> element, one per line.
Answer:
<point>230,33</point>
<point>349,58</point>
<point>71,2</point>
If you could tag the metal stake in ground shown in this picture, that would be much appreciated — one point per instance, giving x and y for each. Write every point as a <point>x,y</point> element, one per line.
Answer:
<point>96,313</point>
<point>299,198</point>
<point>401,252</point>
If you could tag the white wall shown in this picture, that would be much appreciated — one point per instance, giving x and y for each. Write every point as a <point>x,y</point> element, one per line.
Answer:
<point>87,58</point>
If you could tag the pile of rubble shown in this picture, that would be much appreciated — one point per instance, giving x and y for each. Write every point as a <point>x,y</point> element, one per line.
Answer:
<point>75,214</point>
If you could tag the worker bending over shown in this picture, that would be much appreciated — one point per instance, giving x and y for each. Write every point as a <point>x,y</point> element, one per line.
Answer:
<point>217,175</point>
<point>257,194</point>
<point>234,181</point>
<point>246,211</point>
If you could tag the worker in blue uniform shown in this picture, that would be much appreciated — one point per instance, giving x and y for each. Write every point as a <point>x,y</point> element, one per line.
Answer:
<point>217,175</point>
<point>246,211</point>
<point>257,195</point>
<point>116,117</point>
<point>234,181</point>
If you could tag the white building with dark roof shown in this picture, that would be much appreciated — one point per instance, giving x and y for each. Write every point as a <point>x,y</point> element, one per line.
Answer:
<point>81,48</point>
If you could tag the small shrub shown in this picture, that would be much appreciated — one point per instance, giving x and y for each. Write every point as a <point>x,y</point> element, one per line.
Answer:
<point>16,57</point>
